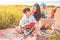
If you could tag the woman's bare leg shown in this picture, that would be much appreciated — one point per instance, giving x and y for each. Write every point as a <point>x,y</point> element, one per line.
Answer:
<point>53,12</point>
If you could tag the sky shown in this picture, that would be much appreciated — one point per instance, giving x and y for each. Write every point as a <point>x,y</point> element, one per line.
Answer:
<point>30,2</point>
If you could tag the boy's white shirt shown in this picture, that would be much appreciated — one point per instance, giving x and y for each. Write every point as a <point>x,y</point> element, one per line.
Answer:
<point>26,20</point>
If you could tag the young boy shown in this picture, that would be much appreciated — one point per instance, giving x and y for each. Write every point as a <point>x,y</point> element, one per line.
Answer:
<point>26,20</point>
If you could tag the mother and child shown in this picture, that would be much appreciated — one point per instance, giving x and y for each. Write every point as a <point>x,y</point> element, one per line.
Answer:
<point>27,24</point>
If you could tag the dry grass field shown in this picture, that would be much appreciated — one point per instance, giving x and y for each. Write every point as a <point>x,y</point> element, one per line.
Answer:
<point>10,16</point>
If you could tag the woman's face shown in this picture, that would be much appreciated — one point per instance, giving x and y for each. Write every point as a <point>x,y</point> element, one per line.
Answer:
<point>34,9</point>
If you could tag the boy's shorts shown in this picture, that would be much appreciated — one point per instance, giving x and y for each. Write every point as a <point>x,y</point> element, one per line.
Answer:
<point>28,29</point>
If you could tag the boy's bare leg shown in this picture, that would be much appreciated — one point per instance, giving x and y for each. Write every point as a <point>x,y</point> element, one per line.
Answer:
<point>36,32</point>
<point>20,30</point>
<point>31,29</point>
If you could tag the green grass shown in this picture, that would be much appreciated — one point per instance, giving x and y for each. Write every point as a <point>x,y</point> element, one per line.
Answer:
<point>57,37</point>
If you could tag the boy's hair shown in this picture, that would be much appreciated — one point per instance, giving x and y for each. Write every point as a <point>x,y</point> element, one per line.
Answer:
<point>26,9</point>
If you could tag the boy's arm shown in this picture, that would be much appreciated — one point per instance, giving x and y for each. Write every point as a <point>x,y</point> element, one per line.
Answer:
<point>22,22</point>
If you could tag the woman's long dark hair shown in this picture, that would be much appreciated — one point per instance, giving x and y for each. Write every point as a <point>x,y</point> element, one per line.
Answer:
<point>37,14</point>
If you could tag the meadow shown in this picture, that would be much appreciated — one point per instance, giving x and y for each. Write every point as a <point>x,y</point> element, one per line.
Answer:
<point>10,16</point>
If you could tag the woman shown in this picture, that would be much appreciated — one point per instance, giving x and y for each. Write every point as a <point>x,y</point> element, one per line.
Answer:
<point>38,15</point>
<point>37,12</point>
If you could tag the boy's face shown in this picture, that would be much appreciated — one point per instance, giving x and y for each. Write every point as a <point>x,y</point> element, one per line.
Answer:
<point>28,13</point>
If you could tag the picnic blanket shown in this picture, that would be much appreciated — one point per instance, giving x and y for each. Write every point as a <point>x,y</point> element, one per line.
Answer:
<point>11,34</point>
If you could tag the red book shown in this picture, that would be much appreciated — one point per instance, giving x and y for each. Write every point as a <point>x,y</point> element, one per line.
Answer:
<point>30,25</point>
